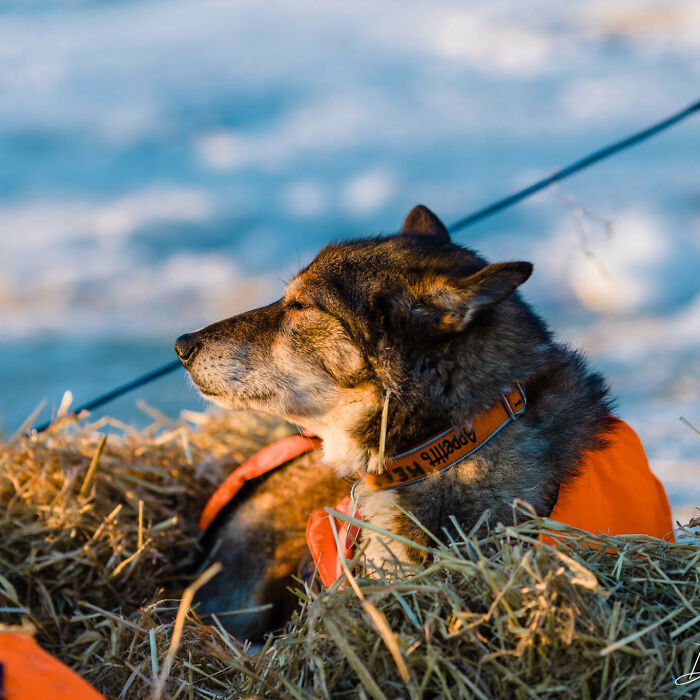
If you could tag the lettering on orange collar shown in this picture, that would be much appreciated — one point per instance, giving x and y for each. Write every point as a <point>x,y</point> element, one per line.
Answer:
<point>449,447</point>
<point>439,453</point>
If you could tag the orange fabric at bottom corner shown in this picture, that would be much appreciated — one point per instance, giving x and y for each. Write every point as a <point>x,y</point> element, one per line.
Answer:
<point>615,492</point>
<point>30,673</point>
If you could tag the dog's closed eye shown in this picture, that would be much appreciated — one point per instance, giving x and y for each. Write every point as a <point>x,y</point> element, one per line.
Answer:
<point>297,305</point>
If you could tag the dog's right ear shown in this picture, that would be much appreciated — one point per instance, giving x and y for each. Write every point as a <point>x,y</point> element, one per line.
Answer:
<point>446,305</point>
<point>422,221</point>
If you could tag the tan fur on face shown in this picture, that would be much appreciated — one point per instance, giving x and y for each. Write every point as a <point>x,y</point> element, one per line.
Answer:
<point>307,373</point>
<point>293,368</point>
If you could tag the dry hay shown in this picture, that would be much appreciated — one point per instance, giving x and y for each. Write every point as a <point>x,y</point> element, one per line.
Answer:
<point>97,559</point>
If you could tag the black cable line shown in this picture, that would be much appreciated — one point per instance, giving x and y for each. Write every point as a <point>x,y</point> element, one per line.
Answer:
<point>569,170</point>
<point>119,391</point>
<point>469,220</point>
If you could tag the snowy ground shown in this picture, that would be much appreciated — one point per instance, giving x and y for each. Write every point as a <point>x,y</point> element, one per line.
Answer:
<point>165,165</point>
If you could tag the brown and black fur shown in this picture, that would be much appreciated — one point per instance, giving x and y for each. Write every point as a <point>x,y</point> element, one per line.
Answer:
<point>445,334</point>
<point>260,539</point>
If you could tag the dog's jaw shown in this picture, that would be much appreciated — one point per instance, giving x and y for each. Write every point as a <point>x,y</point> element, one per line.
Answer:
<point>337,427</point>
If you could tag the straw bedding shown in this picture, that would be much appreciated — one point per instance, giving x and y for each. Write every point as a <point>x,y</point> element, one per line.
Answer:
<point>98,543</point>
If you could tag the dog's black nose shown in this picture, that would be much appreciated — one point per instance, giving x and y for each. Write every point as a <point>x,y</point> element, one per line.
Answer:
<point>186,347</point>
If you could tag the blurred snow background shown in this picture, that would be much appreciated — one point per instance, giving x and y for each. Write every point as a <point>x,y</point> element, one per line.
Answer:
<point>166,164</point>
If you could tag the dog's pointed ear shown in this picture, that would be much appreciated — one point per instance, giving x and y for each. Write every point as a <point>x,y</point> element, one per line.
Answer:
<point>421,220</point>
<point>447,305</point>
<point>494,283</point>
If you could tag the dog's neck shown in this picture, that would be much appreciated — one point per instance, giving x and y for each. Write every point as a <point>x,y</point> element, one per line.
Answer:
<point>349,447</point>
<point>449,447</point>
<point>346,452</point>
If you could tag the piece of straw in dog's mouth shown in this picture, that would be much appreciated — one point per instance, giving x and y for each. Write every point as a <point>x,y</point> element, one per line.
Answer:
<point>382,433</point>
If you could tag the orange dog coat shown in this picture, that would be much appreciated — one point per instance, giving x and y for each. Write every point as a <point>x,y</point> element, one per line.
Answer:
<point>616,492</point>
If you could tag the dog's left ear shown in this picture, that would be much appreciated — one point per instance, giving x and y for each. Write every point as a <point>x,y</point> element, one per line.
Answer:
<point>422,221</point>
<point>448,305</point>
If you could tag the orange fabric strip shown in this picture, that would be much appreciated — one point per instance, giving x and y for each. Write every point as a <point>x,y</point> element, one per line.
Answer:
<point>322,543</point>
<point>448,448</point>
<point>267,459</point>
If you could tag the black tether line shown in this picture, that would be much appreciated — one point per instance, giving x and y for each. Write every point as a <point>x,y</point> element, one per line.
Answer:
<point>469,220</point>
<point>119,391</point>
<point>585,162</point>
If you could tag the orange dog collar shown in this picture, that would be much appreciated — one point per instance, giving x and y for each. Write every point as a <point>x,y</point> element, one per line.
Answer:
<point>449,447</point>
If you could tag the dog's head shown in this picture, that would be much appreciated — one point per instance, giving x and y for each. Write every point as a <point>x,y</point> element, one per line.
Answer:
<point>411,314</point>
